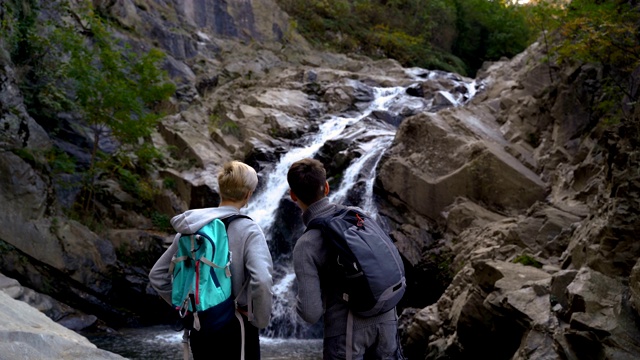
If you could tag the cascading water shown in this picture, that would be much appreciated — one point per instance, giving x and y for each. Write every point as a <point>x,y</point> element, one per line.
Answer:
<point>364,168</point>
<point>263,206</point>
<point>373,138</point>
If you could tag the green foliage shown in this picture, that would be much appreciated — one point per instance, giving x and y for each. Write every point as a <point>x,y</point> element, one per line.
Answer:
<point>605,33</point>
<point>60,162</point>
<point>433,34</point>
<point>77,66</point>
<point>117,92</point>
<point>53,160</point>
<point>20,23</point>
<point>488,30</point>
<point>601,31</point>
<point>134,184</point>
<point>114,89</point>
<point>528,261</point>
<point>169,183</point>
<point>227,126</point>
<point>161,221</point>
<point>30,49</point>
<point>26,155</point>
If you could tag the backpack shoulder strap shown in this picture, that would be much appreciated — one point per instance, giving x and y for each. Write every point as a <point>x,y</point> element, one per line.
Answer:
<point>229,219</point>
<point>320,222</point>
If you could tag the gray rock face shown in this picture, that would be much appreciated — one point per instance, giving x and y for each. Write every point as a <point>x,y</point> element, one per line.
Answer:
<point>583,301</point>
<point>26,333</point>
<point>19,130</point>
<point>187,29</point>
<point>505,310</point>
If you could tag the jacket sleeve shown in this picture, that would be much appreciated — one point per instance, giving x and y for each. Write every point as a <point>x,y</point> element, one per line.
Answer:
<point>259,268</point>
<point>159,277</point>
<point>306,265</point>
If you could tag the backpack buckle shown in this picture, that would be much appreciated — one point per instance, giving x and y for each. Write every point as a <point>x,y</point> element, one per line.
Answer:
<point>184,309</point>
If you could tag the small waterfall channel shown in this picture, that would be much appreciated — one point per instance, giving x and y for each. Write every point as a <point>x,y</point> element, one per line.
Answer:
<point>264,206</point>
<point>288,337</point>
<point>373,137</point>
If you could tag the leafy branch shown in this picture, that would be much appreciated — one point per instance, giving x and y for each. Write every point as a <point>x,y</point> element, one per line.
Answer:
<point>115,89</point>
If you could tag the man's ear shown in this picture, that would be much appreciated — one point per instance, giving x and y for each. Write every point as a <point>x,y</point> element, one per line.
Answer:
<point>293,196</point>
<point>326,188</point>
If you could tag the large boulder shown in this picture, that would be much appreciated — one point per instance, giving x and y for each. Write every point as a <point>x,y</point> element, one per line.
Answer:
<point>59,312</point>
<point>26,333</point>
<point>429,166</point>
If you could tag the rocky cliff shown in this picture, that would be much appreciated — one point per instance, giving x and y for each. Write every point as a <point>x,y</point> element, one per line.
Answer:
<point>515,211</point>
<point>541,222</point>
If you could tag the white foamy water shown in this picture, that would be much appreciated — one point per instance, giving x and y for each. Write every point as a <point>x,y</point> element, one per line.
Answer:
<point>364,168</point>
<point>263,205</point>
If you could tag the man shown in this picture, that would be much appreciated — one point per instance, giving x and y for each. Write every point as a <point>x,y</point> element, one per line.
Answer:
<point>251,263</point>
<point>373,337</point>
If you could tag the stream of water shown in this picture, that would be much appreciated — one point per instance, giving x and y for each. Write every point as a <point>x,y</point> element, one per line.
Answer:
<point>162,342</point>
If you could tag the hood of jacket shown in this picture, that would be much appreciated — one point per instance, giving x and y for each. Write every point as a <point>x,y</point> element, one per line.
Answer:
<point>193,220</point>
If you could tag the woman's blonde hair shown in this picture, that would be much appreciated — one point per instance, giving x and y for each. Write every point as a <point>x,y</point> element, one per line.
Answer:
<point>236,180</point>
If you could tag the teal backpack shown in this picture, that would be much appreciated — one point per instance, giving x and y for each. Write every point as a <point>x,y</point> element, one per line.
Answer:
<point>201,277</point>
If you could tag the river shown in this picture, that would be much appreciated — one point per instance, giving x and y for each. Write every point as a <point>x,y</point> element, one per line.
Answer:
<point>161,342</point>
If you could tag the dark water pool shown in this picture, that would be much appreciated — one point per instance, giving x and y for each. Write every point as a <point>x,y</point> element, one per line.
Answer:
<point>161,342</point>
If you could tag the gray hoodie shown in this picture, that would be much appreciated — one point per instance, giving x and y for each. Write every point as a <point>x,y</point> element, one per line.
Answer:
<point>251,260</point>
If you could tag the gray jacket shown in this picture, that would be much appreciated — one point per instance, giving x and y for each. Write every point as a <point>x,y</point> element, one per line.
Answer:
<point>316,297</point>
<point>251,260</point>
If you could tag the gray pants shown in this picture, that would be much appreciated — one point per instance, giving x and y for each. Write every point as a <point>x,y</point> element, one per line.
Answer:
<point>378,341</point>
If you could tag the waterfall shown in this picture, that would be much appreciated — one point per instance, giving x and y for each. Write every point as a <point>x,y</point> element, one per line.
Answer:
<point>262,207</point>
<point>373,139</point>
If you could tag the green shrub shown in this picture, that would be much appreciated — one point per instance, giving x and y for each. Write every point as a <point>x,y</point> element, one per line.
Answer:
<point>169,183</point>
<point>417,33</point>
<point>60,162</point>
<point>161,221</point>
<point>528,261</point>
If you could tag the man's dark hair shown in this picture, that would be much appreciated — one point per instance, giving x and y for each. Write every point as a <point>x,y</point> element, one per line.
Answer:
<point>306,179</point>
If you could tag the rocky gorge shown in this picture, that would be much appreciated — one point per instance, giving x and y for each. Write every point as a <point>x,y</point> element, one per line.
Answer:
<point>515,211</point>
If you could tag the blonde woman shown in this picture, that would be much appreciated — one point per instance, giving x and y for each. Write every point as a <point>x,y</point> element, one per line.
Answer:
<point>251,263</point>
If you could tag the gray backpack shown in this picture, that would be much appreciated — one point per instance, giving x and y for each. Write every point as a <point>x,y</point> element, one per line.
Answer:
<point>370,271</point>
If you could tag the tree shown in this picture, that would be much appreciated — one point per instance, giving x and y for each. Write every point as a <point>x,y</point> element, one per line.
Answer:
<point>115,89</point>
<point>606,33</point>
<point>489,30</point>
